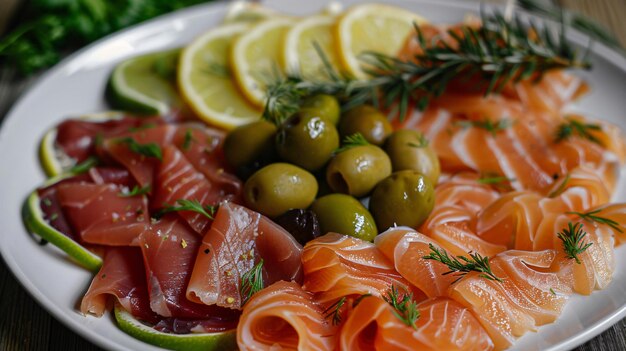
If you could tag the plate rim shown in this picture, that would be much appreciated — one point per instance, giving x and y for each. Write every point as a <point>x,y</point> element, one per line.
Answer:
<point>205,9</point>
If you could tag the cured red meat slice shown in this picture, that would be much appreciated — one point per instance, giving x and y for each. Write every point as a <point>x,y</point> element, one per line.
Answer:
<point>238,239</point>
<point>99,215</point>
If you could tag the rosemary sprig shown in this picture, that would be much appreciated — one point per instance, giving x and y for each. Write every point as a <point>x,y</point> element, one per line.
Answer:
<point>488,125</point>
<point>572,238</point>
<point>136,190</point>
<point>251,282</point>
<point>573,127</point>
<point>148,150</point>
<point>189,205</point>
<point>591,217</point>
<point>350,141</point>
<point>334,311</point>
<point>405,308</point>
<point>500,51</point>
<point>461,265</point>
<point>558,191</point>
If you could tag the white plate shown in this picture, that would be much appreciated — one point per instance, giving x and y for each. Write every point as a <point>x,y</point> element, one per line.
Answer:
<point>76,86</point>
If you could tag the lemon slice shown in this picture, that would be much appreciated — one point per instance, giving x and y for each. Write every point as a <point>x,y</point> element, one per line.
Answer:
<point>186,342</point>
<point>299,53</point>
<point>372,27</point>
<point>145,84</point>
<point>36,224</point>
<point>205,82</point>
<point>255,57</point>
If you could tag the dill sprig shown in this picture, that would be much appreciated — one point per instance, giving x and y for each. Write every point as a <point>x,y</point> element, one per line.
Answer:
<point>136,190</point>
<point>572,238</point>
<point>591,216</point>
<point>488,125</point>
<point>558,191</point>
<point>461,265</point>
<point>573,127</point>
<point>350,141</point>
<point>499,51</point>
<point>334,311</point>
<point>188,205</point>
<point>148,150</point>
<point>405,308</point>
<point>251,282</point>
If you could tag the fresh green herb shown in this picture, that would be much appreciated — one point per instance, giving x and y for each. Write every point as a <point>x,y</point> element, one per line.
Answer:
<point>558,191</point>
<point>251,282</point>
<point>496,179</point>
<point>84,166</point>
<point>334,311</point>
<point>189,205</point>
<point>188,140</point>
<point>142,127</point>
<point>422,142</point>
<point>576,128</point>
<point>500,52</point>
<point>148,150</point>
<point>572,238</point>
<point>46,201</point>
<point>575,20</point>
<point>358,300</point>
<point>135,191</point>
<point>54,216</point>
<point>552,291</point>
<point>49,28</point>
<point>461,265</point>
<point>591,217</point>
<point>350,141</point>
<point>405,308</point>
<point>487,125</point>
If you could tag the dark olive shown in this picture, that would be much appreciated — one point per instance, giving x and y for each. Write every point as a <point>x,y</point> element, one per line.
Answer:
<point>250,147</point>
<point>301,224</point>
<point>307,141</point>
<point>408,150</point>
<point>344,214</point>
<point>368,121</point>
<point>357,170</point>
<point>278,188</point>
<point>322,105</point>
<point>404,198</point>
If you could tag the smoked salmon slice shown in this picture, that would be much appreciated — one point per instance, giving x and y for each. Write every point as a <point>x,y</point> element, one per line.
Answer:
<point>337,266</point>
<point>238,240</point>
<point>283,316</point>
<point>443,324</point>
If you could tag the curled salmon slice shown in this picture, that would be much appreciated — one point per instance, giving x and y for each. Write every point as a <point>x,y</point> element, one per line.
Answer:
<point>443,325</point>
<point>237,240</point>
<point>529,294</point>
<point>406,249</point>
<point>283,316</point>
<point>338,265</point>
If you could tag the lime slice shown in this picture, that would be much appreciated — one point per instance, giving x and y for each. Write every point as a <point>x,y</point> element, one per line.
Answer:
<point>372,27</point>
<point>145,84</point>
<point>299,52</point>
<point>185,342</point>
<point>205,82</point>
<point>255,58</point>
<point>36,224</point>
<point>53,161</point>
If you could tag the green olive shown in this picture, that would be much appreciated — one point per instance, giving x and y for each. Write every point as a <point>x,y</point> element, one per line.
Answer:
<point>278,188</point>
<point>322,105</point>
<point>307,141</point>
<point>249,143</point>
<point>408,150</point>
<point>403,198</point>
<point>368,121</point>
<point>357,170</point>
<point>344,214</point>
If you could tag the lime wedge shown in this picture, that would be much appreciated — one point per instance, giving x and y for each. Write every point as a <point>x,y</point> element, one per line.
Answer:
<point>185,342</point>
<point>36,224</point>
<point>145,84</point>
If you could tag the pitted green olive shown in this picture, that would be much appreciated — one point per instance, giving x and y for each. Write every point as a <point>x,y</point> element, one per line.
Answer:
<point>404,198</point>
<point>279,187</point>
<point>357,170</point>
<point>368,121</point>
<point>344,214</point>
<point>408,150</point>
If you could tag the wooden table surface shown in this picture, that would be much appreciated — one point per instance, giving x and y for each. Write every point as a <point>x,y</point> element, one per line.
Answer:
<point>24,325</point>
